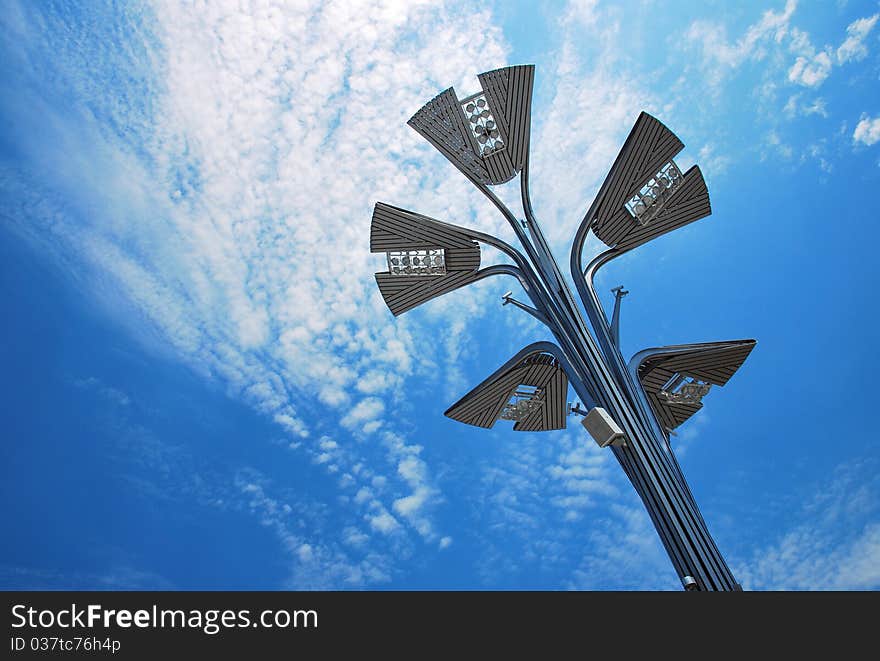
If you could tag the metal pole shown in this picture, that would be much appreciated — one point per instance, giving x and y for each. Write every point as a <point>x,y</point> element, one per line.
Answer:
<point>486,136</point>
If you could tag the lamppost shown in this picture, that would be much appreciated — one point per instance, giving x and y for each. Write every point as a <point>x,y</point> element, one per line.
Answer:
<point>631,408</point>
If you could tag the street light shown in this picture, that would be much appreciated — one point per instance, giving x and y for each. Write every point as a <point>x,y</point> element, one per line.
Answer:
<point>631,408</point>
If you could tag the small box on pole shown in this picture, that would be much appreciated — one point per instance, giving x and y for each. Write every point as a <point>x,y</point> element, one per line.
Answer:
<point>602,427</point>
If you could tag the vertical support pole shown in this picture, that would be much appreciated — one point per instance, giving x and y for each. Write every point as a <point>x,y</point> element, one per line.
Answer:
<point>619,293</point>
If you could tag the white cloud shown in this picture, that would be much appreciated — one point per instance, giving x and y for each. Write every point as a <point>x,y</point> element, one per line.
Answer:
<point>867,130</point>
<point>772,35</point>
<point>812,67</point>
<point>778,146</point>
<point>559,509</point>
<point>817,151</point>
<point>354,537</point>
<point>806,560</point>
<point>711,162</point>
<point>688,433</point>
<point>581,13</point>
<point>118,577</point>
<point>415,507</point>
<point>364,411</point>
<point>110,393</point>
<point>597,97</point>
<point>721,55</point>
<point>305,553</point>
<point>375,381</point>
<point>410,505</point>
<point>626,553</point>
<point>769,57</point>
<point>372,426</point>
<point>796,107</point>
<point>363,495</point>
<point>232,219</point>
<point>314,564</point>
<point>853,48</point>
<point>579,478</point>
<point>383,522</point>
<point>811,71</point>
<point>834,544</point>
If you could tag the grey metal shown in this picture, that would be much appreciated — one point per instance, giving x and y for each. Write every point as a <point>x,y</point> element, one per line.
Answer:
<point>534,366</point>
<point>509,300</point>
<point>446,124</point>
<point>486,136</point>
<point>619,293</point>
<point>647,149</point>
<point>575,409</point>
<point>655,455</point>
<point>711,363</point>
<point>602,428</point>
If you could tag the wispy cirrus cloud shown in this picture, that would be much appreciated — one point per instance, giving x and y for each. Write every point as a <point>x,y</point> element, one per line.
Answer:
<point>796,105</point>
<point>834,542</point>
<point>569,516</point>
<point>313,565</point>
<point>793,68</point>
<point>118,577</point>
<point>227,202</point>
<point>720,55</point>
<point>154,469</point>
<point>597,96</point>
<point>813,66</point>
<point>774,37</point>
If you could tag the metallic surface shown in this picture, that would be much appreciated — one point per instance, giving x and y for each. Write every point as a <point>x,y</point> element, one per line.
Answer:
<point>587,354</point>
<point>483,405</point>
<point>442,122</point>
<point>396,229</point>
<point>712,362</point>
<point>619,293</point>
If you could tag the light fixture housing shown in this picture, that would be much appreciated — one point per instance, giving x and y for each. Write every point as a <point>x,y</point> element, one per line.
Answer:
<point>664,370</point>
<point>530,388</point>
<point>485,135</point>
<point>645,194</point>
<point>404,235</point>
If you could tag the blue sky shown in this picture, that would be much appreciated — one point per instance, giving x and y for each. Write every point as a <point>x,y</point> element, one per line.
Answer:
<point>202,388</point>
